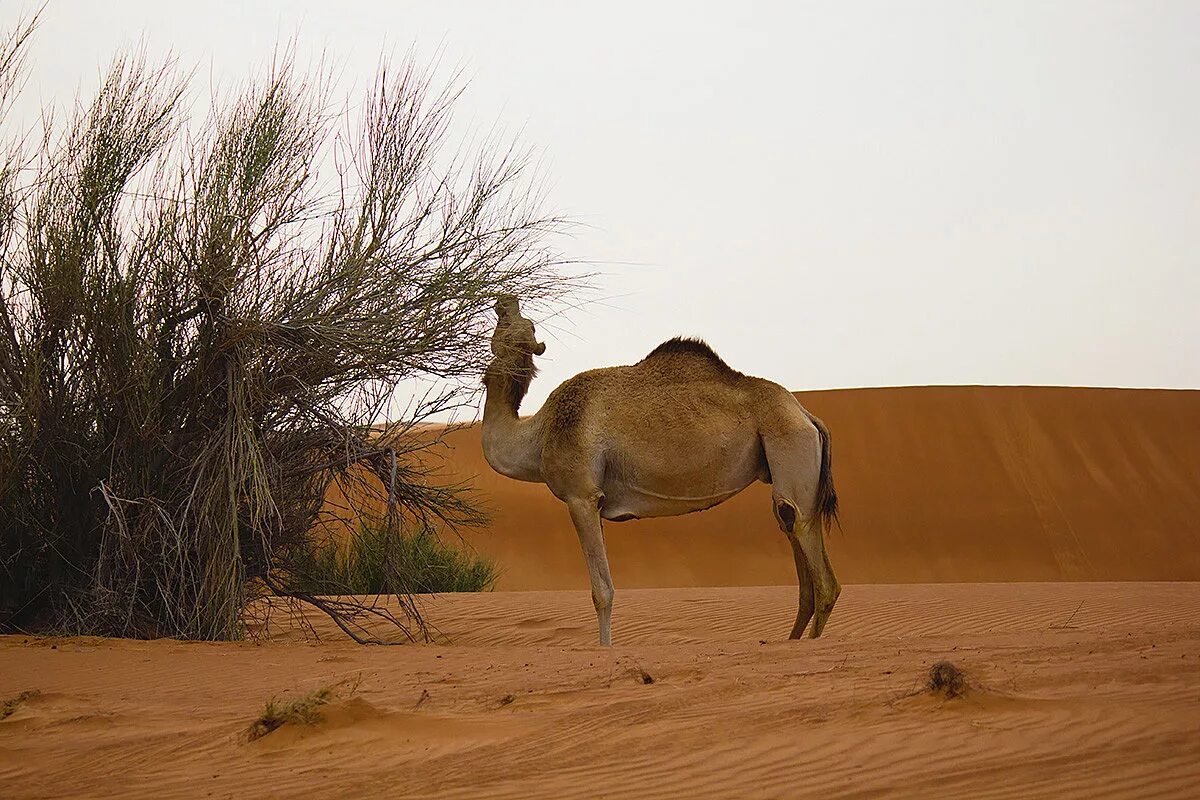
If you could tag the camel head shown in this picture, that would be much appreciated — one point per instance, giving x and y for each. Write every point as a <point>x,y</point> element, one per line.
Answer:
<point>514,336</point>
<point>514,345</point>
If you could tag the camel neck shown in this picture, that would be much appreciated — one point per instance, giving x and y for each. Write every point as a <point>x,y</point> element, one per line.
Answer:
<point>511,445</point>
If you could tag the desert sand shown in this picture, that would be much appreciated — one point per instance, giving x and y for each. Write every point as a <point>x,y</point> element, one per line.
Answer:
<point>1081,690</point>
<point>1043,540</point>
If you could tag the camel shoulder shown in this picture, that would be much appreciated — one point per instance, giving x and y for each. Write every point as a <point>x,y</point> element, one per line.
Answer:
<point>567,406</point>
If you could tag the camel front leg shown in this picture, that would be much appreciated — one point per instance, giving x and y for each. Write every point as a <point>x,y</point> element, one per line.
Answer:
<point>585,514</point>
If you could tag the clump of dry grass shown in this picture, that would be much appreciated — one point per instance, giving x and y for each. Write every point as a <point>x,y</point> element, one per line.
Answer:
<point>10,705</point>
<point>303,710</point>
<point>201,329</point>
<point>947,680</point>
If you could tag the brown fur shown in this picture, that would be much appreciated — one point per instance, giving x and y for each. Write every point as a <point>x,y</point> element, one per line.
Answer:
<point>570,407</point>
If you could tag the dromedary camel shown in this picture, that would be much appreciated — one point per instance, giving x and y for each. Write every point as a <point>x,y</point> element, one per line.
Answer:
<point>677,432</point>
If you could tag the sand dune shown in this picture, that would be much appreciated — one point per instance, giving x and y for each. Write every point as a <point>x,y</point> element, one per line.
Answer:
<point>937,484</point>
<point>1079,690</point>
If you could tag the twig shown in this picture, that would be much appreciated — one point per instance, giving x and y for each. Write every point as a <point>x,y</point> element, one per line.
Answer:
<point>335,610</point>
<point>1067,624</point>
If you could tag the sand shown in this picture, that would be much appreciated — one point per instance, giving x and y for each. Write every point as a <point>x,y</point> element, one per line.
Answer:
<point>1068,519</point>
<point>1079,690</point>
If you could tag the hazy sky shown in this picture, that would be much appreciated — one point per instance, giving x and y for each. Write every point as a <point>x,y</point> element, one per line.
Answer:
<point>834,194</point>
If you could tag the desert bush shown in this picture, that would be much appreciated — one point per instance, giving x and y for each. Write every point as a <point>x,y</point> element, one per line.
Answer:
<point>379,560</point>
<point>202,324</point>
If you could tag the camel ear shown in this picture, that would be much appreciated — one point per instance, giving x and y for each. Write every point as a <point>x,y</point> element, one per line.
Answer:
<point>540,347</point>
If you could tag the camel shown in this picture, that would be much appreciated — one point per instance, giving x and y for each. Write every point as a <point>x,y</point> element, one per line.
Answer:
<point>677,432</point>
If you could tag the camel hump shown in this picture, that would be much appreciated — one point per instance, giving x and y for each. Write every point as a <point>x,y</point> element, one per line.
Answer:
<point>689,347</point>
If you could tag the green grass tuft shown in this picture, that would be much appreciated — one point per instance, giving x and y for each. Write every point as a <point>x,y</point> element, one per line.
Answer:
<point>372,562</point>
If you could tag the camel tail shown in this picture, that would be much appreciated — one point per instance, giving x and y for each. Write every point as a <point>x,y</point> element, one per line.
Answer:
<point>826,505</point>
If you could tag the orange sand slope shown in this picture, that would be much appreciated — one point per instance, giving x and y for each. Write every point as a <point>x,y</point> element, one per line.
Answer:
<point>1081,690</point>
<point>936,484</point>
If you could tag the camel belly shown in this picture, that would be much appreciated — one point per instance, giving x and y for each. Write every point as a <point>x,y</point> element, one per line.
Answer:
<point>624,503</point>
<point>680,481</point>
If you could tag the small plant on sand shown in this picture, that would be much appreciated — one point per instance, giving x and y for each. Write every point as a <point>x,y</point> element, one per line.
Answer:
<point>377,560</point>
<point>10,705</point>
<point>947,680</point>
<point>303,710</point>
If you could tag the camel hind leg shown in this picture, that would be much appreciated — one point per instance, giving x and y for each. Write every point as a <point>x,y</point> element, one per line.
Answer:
<point>795,464</point>
<point>807,601</point>
<point>819,588</point>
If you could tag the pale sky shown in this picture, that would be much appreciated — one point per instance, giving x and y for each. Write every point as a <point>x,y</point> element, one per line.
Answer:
<point>832,194</point>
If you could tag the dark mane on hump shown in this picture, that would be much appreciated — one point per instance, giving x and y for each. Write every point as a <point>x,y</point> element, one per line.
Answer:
<point>689,346</point>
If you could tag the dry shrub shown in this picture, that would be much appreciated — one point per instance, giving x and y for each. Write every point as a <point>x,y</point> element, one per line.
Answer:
<point>304,710</point>
<point>198,334</point>
<point>13,703</point>
<point>947,679</point>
